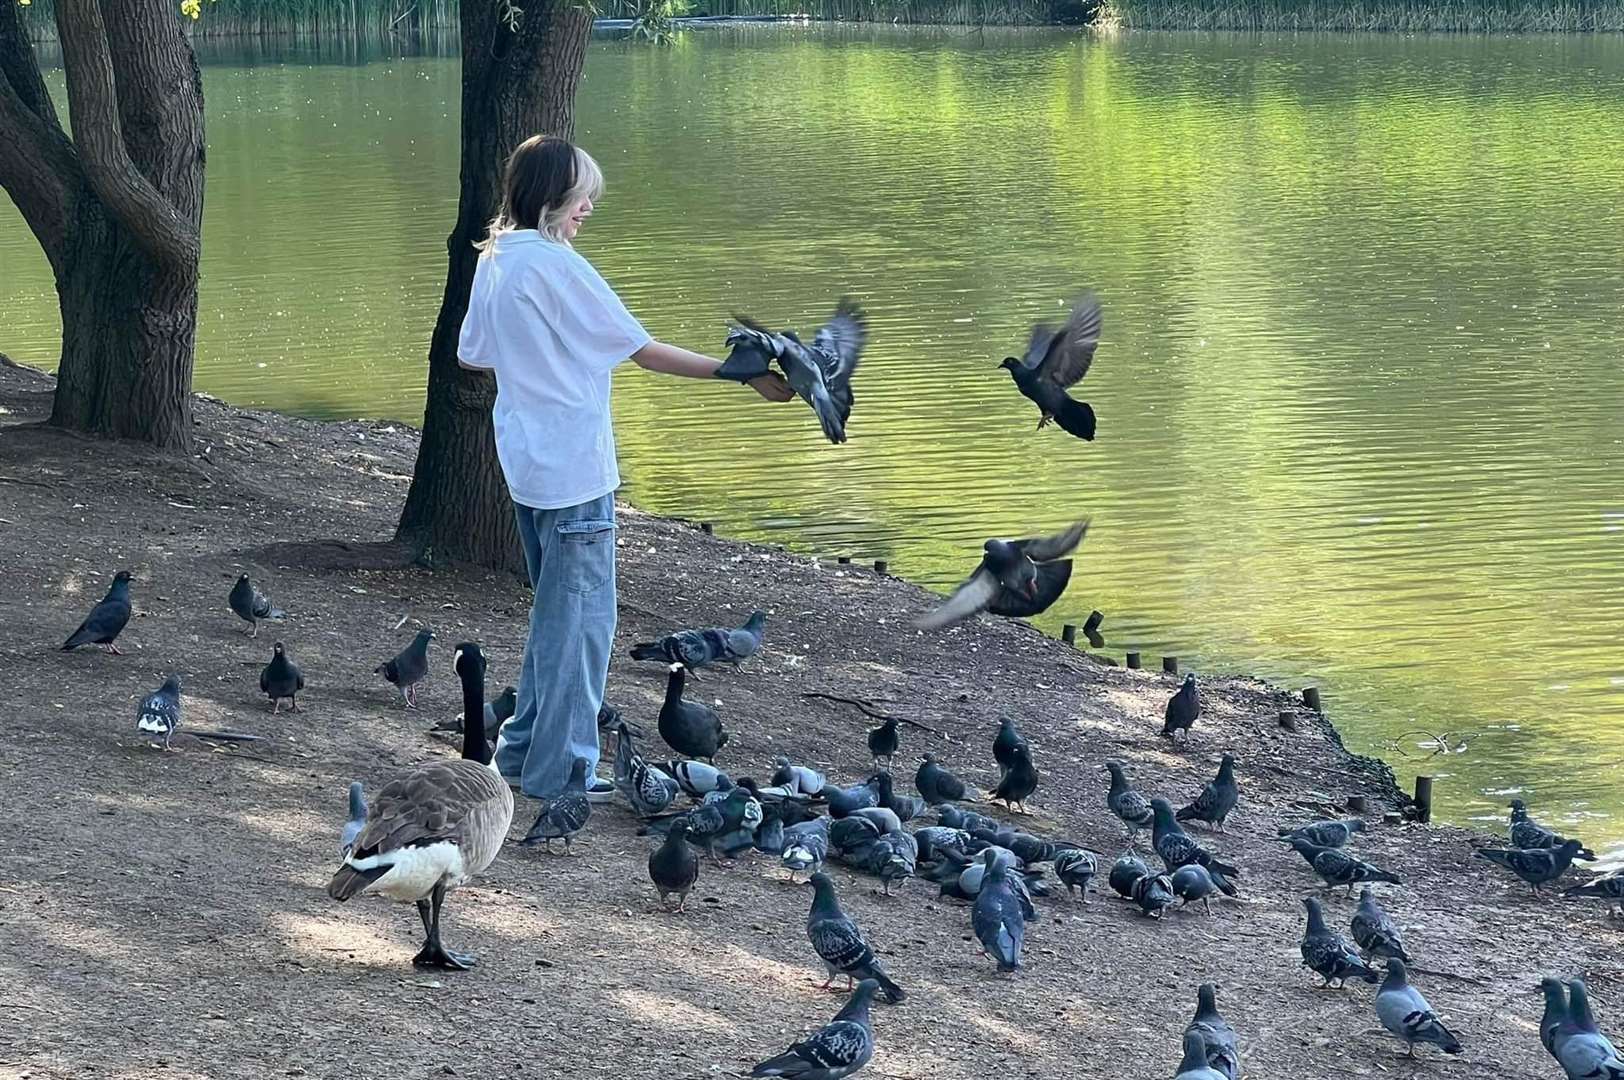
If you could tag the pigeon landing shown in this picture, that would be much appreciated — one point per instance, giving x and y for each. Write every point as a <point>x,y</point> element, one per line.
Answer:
<point>159,711</point>
<point>696,648</point>
<point>1183,709</point>
<point>1056,360</point>
<point>1217,799</point>
<point>1405,1013</point>
<point>1016,578</point>
<point>1327,955</point>
<point>1219,1044</point>
<point>410,667</point>
<point>836,1050</point>
<point>251,605</point>
<point>839,942</point>
<point>106,620</point>
<point>281,680</point>
<point>819,373</point>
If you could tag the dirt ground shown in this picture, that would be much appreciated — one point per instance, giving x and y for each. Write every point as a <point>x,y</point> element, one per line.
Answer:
<point>163,915</point>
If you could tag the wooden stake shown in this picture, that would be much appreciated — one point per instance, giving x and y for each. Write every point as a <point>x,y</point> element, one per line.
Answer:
<point>1423,798</point>
<point>881,566</point>
<point>844,560</point>
<point>706,528</point>
<point>1311,698</point>
<point>1092,623</point>
<point>1132,660</point>
<point>1170,664</point>
<point>1068,634</point>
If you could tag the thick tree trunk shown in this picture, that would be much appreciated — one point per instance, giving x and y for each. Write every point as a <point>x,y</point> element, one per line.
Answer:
<point>515,83</point>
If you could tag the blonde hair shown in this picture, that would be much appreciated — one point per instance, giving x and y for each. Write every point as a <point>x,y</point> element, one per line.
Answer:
<point>544,179</point>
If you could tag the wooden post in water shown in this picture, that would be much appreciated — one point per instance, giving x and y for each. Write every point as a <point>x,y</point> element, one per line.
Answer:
<point>1133,661</point>
<point>1092,623</point>
<point>844,560</point>
<point>1068,634</point>
<point>1170,664</point>
<point>1423,799</point>
<point>705,527</point>
<point>1311,698</point>
<point>881,566</point>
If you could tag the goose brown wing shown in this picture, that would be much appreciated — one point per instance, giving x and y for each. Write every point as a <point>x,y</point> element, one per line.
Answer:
<point>439,800</point>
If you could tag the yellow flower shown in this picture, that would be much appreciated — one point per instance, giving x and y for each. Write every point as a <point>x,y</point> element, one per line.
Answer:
<point>192,9</point>
<point>24,3</point>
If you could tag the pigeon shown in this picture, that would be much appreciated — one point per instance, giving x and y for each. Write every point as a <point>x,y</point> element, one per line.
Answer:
<point>805,847</point>
<point>997,918</point>
<point>1327,955</point>
<point>1055,360</point>
<point>696,648</point>
<point>500,710</point>
<point>1016,578</point>
<point>1191,883</point>
<point>1177,849</point>
<point>819,373</point>
<point>805,781</point>
<point>1536,867</point>
<point>882,818</point>
<point>696,778</point>
<point>690,728</point>
<point>106,620</point>
<point>1580,1048</point>
<point>1018,784</point>
<point>769,839</point>
<point>1339,868</point>
<point>1218,1041</point>
<point>840,944</point>
<point>563,815</point>
<point>1333,834</point>
<point>971,873</point>
<point>933,840</point>
<point>1526,833</point>
<point>1556,1012</point>
<point>1609,887</point>
<point>673,866</point>
<point>1375,932</point>
<point>882,741</point>
<point>720,818</point>
<point>1153,893</point>
<point>956,817</point>
<point>281,680</point>
<point>1075,867</point>
<point>836,1050</point>
<point>251,605</point>
<point>891,856</point>
<point>906,807</point>
<point>357,820</point>
<point>842,801</point>
<point>1194,1065</point>
<point>937,784</point>
<point>1183,708</point>
<point>1124,872</point>
<point>648,789</point>
<point>1405,1013</point>
<point>1127,804</point>
<point>409,667</point>
<point>1217,799</point>
<point>159,711</point>
<point>1030,849</point>
<point>1007,745</point>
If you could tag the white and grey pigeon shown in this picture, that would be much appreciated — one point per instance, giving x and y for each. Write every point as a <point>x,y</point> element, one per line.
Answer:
<point>801,779</point>
<point>836,1050</point>
<point>1194,1065</point>
<point>1580,1048</point>
<point>806,846</point>
<point>1375,932</point>
<point>159,711</point>
<point>1217,1037</point>
<point>840,944</point>
<point>1015,578</point>
<point>1405,1013</point>
<point>251,605</point>
<point>1075,867</point>
<point>1327,955</point>
<point>357,820</point>
<point>696,648</point>
<point>696,778</point>
<point>647,789</point>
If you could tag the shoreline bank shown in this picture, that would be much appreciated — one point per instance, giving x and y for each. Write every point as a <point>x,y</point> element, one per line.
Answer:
<point>193,881</point>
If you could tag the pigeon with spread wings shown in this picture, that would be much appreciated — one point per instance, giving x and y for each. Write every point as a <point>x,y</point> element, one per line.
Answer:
<point>820,372</point>
<point>1056,360</point>
<point>1015,578</point>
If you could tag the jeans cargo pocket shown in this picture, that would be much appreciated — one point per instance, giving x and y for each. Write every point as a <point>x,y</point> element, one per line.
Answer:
<point>587,554</point>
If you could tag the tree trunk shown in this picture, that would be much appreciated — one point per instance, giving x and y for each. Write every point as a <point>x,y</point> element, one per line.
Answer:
<point>515,84</point>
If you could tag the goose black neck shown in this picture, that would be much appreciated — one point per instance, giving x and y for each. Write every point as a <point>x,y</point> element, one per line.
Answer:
<point>673,687</point>
<point>474,746</point>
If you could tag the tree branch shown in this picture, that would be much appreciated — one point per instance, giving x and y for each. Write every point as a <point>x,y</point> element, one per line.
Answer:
<point>37,164</point>
<point>160,229</point>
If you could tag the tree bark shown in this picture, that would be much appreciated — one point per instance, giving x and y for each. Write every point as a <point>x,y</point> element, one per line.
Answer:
<point>517,81</point>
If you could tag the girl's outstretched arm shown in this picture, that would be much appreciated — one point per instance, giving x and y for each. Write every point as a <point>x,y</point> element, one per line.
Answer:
<point>675,360</point>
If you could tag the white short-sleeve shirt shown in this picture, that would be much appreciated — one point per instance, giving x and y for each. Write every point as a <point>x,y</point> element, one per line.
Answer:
<point>552,330</point>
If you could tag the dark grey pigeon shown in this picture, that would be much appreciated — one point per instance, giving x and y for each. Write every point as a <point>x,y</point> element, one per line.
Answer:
<point>1132,808</point>
<point>106,620</point>
<point>1375,932</point>
<point>805,847</point>
<point>281,680</point>
<point>696,648</point>
<point>1183,709</point>
<point>409,667</point>
<point>935,840</point>
<point>820,373</point>
<point>1220,1047</point>
<point>843,801</point>
<point>1332,834</point>
<point>1555,1014</point>
<point>1581,1049</point>
<point>673,866</point>
<point>956,817</point>
<point>1154,894</point>
<point>1030,849</point>
<point>1007,745</point>
<point>1609,887</point>
<point>1404,1012</point>
<point>1327,955</point>
<point>1537,867</point>
<point>357,819</point>
<point>883,819</point>
<point>251,605</point>
<point>1339,868</point>
<point>1191,883</point>
<point>937,784</point>
<point>882,742</point>
<point>1217,799</point>
<point>906,807</point>
<point>834,1051</point>
<point>1526,833</point>
<point>997,918</point>
<point>1193,1066</point>
<point>1056,360</point>
<point>840,944</point>
<point>1075,867</point>
<point>1177,849</point>
<point>647,789</point>
<point>688,727</point>
<point>1124,872</point>
<point>499,711</point>
<point>1016,578</point>
<point>1017,785</point>
<point>159,711</point>
<point>564,815</point>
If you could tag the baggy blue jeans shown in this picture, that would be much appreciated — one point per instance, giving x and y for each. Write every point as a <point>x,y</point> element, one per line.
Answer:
<point>570,554</point>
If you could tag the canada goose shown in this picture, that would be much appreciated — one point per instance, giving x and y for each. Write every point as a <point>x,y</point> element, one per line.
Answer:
<point>434,827</point>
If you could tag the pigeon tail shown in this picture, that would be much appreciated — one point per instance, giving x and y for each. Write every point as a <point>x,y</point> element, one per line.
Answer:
<point>1076,417</point>
<point>649,650</point>
<point>894,994</point>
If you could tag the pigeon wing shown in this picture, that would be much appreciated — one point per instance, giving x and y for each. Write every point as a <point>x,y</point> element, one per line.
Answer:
<point>1052,578</point>
<point>838,343</point>
<point>1041,549</point>
<point>753,350</point>
<point>1072,350</point>
<point>979,591</point>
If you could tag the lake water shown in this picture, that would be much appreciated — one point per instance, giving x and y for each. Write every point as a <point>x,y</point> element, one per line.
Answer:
<point>1360,392</point>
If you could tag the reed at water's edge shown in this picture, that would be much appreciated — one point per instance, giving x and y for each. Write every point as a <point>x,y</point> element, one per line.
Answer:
<point>1471,16</point>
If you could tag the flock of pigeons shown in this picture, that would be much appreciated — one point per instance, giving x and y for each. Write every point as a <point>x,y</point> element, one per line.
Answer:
<point>437,825</point>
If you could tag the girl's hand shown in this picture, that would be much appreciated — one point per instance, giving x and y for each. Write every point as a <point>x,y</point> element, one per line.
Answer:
<point>772,387</point>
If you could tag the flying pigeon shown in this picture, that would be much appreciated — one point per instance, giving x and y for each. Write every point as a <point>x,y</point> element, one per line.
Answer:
<point>646,788</point>
<point>564,815</point>
<point>1055,360</point>
<point>1537,867</point>
<point>673,866</point>
<point>1183,709</point>
<point>1580,1048</point>
<point>696,648</point>
<point>1016,578</point>
<point>937,784</point>
<point>281,680</point>
<point>1327,955</point>
<point>1075,867</point>
<point>1609,887</point>
<point>836,1050</point>
<point>1375,932</point>
<point>1217,799</point>
<point>997,918</point>
<point>819,373</point>
<point>357,820</point>
<point>1332,834</point>
<point>840,944</point>
<point>1177,849</point>
<point>1526,833</point>
<point>1194,1065</point>
<point>251,605</point>
<point>1218,1041</point>
<point>1405,1013</point>
<point>159,711</point>
<point>882,742</point>
<point>1132,808</point>
<point>1339,868</point>
<point>106,620</point>
<point>690,728</point>
<point>800,778</point>
<point>409,668</point>
<point>1018,784</point>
